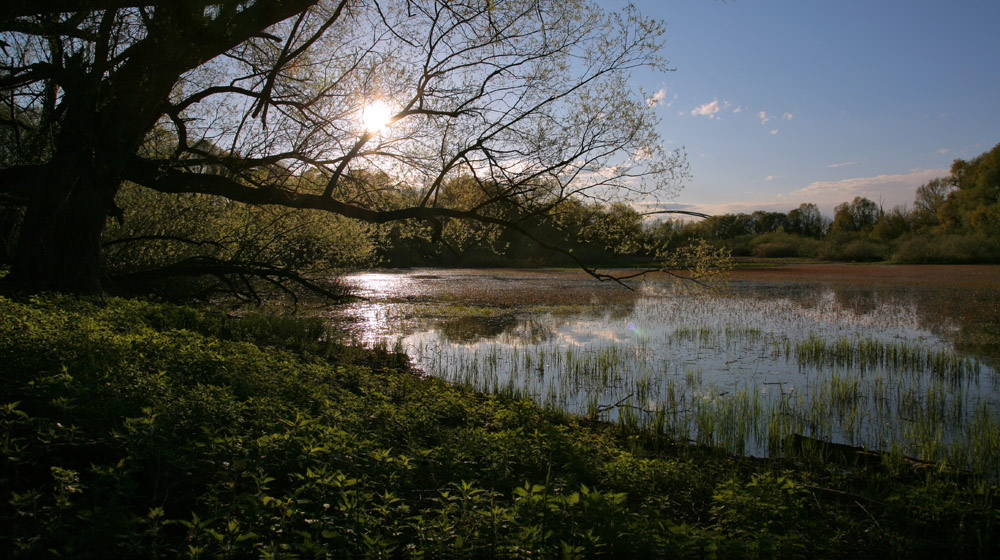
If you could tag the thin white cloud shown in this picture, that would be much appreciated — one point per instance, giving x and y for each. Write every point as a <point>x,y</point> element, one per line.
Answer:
<point>774,131</point>
<point>891,189</point>
<point>658,98</point>
<point>764,119</point>
<point>707,110</point>
<point>844,164</point>
<point>773,177</point>
<point>740,207</point>
<point>943,151</point>
<point>738,109</point>
<point>788,116</point>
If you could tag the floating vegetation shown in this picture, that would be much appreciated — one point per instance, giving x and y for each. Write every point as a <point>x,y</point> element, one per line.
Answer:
<point>744,370</point>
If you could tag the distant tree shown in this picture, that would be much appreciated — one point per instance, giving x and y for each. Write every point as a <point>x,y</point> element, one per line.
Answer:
<point>617,228</point>
<point>768,222</point>
<point>930,197</point>
<point>860,215</point>
<point>893,224</point>
<point>727,226</point>
<point>805,220</point>
<point>260,102</point>
<point>974,204</point>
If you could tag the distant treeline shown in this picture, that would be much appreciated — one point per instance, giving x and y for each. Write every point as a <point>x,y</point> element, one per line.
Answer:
<point>953,219</point>
<point>215,245</point>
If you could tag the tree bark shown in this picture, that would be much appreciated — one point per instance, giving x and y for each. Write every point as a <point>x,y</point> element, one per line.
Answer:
<point>59,246</point>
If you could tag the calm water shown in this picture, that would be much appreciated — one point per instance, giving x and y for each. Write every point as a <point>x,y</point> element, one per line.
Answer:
<point>886,357</point>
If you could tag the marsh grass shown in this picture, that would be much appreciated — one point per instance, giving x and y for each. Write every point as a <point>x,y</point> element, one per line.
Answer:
<point>741,373</point>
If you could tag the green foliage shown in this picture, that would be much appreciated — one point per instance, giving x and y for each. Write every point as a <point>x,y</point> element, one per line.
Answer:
<point>974,205</point>
<point>781,244</point>
<point>860,214</point>
<point>135,429</point>
<point>701,262</point>
<point>159,230</point>
<point>948,249</point>
<point>955,219</point>
<point>858,249</point>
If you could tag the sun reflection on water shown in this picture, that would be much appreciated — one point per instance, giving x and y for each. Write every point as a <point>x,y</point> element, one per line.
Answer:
<point>807,347</point>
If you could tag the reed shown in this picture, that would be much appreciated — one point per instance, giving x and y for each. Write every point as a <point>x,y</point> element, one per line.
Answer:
<point>723,371</point>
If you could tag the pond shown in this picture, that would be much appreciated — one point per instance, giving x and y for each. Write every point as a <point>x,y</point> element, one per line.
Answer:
<point>895,358</point>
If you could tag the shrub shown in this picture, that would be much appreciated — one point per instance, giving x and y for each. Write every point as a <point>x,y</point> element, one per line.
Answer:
<point>864,250</point>
<point>775,250</point>
<point>784,245</point>
<point>856,249</point>
<point>948,249</point>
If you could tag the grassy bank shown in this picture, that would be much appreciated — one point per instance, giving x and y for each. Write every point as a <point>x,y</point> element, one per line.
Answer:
<point>136,429</point>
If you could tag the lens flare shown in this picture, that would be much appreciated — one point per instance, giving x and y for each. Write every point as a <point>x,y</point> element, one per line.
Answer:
<point>375,116</point>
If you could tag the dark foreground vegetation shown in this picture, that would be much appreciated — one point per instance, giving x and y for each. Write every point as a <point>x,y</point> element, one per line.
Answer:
<point>138,429</point>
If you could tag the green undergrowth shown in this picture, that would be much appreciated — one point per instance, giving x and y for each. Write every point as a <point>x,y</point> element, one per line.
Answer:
<point>133,429</point>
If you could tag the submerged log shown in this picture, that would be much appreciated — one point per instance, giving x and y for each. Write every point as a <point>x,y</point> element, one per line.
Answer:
<point>797,445</point>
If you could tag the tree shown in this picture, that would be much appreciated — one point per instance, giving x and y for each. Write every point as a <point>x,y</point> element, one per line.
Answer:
<point>974,204</point>
<point>219,246</point>
<point>763,221</point>
<point>930,197</point>
<point>260,102</point>
<point>894,224</point>
<point>806,220</point>
<point>860,215</point>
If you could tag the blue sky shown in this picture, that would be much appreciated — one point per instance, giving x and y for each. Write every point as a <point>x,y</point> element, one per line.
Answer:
<point>783,102</point>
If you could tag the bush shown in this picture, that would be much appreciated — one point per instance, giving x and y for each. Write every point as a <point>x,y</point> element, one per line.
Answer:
<point>854,249</point>
<point>775,250</point>
<point>864,250</point>
<point>779,245</point>
<point>948,249</point>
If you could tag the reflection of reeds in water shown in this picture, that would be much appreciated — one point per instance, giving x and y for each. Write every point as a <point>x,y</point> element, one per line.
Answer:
<point>928,403</point>
<point>830,355</point>
<point>868,353</point>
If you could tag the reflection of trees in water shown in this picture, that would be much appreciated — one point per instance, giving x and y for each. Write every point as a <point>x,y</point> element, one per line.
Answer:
<point>532,329</point>
<point>531,310</point>
<point>968,318</point>
<point>864,300</point>
<point>528,327</point>
<point>467,329</point>
<point>975,313</point>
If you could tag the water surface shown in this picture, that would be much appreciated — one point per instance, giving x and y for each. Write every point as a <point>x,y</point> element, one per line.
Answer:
<point>880,356</point>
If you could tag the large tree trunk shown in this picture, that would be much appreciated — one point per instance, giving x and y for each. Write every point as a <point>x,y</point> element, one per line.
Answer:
<point>59,246</point>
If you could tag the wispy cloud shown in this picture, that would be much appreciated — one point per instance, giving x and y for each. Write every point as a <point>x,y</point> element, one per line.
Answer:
<point>659,98</point>
<point>707,110</point>
<point>889,189</point>
<point>892,189</point>
<point>943,151</point>
<point>844,164</point>
<point>713,109</point>
<point>773,177</point>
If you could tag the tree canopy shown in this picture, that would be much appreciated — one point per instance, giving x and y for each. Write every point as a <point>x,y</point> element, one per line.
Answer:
<point>261,102</point>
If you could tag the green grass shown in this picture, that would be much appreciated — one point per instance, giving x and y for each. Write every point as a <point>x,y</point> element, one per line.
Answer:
<point>138,429</point>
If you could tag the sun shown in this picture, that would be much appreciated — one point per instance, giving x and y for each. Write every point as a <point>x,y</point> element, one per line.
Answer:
<point>375,116</point>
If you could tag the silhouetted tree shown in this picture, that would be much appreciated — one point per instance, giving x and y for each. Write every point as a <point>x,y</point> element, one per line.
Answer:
<point>516,94</point>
